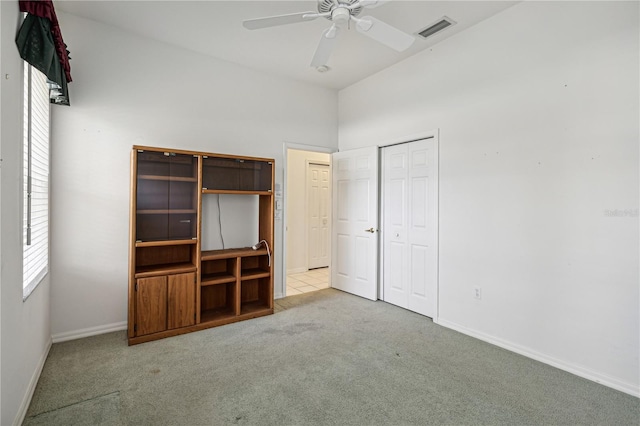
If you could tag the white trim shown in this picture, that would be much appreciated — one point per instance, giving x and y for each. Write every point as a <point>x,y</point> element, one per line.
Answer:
<point>297,271</point>
<point>580,371</point>
<point>303,147</point>
<point>430,134</point>
<point>87,332</point>
<point>26,401</point>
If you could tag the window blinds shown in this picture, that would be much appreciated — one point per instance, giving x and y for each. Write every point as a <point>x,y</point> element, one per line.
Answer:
<point>36,179</point>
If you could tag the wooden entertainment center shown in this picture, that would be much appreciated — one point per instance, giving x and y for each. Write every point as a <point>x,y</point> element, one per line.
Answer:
<point>174,286</point>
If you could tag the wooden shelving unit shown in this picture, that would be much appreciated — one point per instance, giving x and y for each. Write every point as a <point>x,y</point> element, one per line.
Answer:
<point>174,287</point>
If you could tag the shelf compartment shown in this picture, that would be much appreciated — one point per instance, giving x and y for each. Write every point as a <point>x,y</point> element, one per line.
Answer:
<point>217,302</point>
<point>164,269</point>
<point>253,307</point>
<point>236,174</point>
<point>161,163</point>
<point>255,295</point>
<point>154,260</point>
<point>211,315</point>
<point>166,193</point>
<point>218,271</point>
<point>158,226</point>
<point>254,267</point>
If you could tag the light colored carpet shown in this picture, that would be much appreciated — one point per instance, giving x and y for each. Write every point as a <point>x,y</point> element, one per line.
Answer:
<point>324,358</point>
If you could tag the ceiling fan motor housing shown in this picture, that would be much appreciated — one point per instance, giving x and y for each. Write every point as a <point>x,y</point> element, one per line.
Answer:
<point>329,6</point>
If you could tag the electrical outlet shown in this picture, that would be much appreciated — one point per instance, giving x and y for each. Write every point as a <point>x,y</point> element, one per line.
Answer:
<point>477,291</point>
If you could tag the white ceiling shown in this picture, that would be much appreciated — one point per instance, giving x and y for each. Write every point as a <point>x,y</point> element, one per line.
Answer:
<point>215,28</point>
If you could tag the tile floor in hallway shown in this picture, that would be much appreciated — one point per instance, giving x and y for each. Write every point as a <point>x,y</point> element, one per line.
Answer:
<point>304,282</point>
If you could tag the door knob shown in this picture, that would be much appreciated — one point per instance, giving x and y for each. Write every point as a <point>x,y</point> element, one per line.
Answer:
<point>370,230</point>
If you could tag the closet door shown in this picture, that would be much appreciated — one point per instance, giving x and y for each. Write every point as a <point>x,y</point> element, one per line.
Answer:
<point>409,208</point>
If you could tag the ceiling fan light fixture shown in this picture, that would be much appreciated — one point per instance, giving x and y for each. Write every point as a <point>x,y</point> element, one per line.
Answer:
<point>340,15</point>
<point>322,68</point>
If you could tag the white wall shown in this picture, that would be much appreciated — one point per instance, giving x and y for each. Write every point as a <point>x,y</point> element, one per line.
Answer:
<point>130,90</point>
<point>25,326</point>
<point>297,244</point>
<point>538,115</point>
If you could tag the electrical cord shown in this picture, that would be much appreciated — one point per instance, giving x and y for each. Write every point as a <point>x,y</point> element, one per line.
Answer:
<point>257,246</point>
<point>220,222</point>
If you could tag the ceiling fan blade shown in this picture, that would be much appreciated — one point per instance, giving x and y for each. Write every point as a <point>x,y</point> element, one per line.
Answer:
<point>384,33</point>
<point>325,46</point>
<point>273,21</point>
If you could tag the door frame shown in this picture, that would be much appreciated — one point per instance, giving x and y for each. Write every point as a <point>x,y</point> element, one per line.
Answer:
<point>431,134</point>
<point>306,204</point>
<point>286,146</point>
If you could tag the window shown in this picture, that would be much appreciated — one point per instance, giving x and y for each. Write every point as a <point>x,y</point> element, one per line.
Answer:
<point>35,179</point>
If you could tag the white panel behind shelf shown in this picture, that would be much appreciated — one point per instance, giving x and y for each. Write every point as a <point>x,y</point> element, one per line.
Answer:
<point>239,220</point>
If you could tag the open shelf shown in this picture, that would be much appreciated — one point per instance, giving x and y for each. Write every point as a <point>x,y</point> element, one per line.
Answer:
<point>217,302</point>
<point>164,269</point>
<point>217,271</point>
<point>217,314</point>
<point>165,259</point>
<point>233,252</point>
<point>214,279</point>
<point>254,267</point>
<point>251,274</point>
<point>225,191</point>
<point>255,295</point>
<point>165,243</point>
<point>252,307</point>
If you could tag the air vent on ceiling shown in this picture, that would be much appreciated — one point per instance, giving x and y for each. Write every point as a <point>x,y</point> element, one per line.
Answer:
<point>437,27</point>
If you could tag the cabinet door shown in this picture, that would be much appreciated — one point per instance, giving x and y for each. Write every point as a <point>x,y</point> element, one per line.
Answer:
<point>151,305</point>
<point>166,196</point>
<point>182,300</point>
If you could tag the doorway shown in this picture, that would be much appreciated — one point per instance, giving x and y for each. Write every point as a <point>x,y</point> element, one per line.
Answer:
<point>308,221</point>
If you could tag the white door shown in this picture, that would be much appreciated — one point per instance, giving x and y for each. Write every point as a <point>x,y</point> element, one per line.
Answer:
<point>409,209</point>
<point>318,200</point>
<point>354,245</point>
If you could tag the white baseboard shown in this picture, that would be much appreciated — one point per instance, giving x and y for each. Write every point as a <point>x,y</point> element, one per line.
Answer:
<point>583,372</point>
<point>91,331</point>
<point>296,271</point>
<point>26,401</point>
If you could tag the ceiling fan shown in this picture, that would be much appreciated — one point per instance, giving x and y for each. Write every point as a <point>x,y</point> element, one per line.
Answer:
<point>341,13</point>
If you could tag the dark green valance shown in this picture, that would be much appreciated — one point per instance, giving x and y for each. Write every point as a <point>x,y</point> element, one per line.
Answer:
<point>37,45</point>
